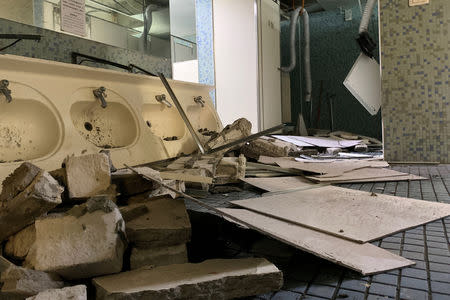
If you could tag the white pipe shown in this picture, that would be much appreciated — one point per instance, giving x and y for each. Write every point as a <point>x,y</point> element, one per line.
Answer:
<point>307,57</point>
<point>292,28</point>
<point>366,16</point>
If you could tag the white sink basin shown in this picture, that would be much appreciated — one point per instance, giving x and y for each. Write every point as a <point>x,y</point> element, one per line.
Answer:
<point>29,128</point>
<point>163,121</point>
<point>110,127</point>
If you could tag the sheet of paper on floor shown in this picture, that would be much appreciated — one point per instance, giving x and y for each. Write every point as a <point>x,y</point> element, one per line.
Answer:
<point>356,215</point>
<point>309,141</point>
<point>364,258</point>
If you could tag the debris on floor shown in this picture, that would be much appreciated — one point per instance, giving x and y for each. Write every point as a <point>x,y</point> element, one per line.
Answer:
<point>240,128</point>
<point>337,211</point>
<point>89,228</point>
<point>77,292</point>
<point>364,258</point>
<point>27,194</point>
<point>19,283</point>
<point>269,147</point>
<point>211,279</point>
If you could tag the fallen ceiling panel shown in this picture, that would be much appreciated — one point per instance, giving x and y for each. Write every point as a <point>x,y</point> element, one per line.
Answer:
<point>364,258</point>
<point>275,184</point>
<point>355,215</point>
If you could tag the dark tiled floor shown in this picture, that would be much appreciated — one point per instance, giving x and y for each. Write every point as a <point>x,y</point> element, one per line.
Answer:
<point>308,277</point>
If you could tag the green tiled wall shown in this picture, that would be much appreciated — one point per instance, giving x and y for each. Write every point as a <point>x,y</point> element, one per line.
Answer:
<point>333,53</point>
<point>415,50</point>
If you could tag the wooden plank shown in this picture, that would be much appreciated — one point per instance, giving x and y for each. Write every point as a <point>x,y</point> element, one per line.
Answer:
<point>279,183</point>
<point>366,259</point>
<point>356,215</point>
<point>364,173</point>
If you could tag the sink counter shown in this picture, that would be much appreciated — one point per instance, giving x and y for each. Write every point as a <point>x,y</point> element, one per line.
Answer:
<point>54,113</point>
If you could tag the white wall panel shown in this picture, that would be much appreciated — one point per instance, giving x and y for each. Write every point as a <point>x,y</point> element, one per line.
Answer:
<point>236,60</point>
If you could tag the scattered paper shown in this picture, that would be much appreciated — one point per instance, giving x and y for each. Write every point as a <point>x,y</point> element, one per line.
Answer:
<point>309,141</point>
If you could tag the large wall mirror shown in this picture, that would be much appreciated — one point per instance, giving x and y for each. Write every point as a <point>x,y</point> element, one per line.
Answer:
<point>163,28</point>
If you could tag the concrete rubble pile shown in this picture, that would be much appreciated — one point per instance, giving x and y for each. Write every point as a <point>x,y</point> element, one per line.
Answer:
<point>90,231</point>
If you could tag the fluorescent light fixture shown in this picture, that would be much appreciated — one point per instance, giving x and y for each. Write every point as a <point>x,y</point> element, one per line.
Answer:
<point>364,82</point>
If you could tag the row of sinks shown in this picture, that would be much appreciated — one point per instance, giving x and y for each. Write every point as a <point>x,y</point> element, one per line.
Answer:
<point>54,113</point>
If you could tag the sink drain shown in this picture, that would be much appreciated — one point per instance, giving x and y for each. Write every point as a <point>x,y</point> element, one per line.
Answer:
<point>88,126</point>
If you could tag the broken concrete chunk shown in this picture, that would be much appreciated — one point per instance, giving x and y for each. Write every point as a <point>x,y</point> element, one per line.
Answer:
<point>60,176</point>
<point>131,212</point>
<point>40,196</point>
<point>160,192</point>
<point>268,147</point>
<point>77,292</point>
<point>211,279</point>
<point>188,175</point>
<point>193,178</point>
<point>158,256</point>
<point>231,170</point>
<point>21,282</point>
<point>102,203</point>
<point>87,175</point>
<point>18,180</point>
<point>165,224</point>
<point>88,243</point>
<point>5,264</point>
<point>206,162</point>
<point>129,183</point>
<point>19,244</point>
<point>240,128</point>
<point>157,190</point>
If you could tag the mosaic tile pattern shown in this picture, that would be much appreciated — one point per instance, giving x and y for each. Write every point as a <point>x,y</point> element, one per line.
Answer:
<point>58,47</point>
<point>415,50</point>
<point>205,43</point>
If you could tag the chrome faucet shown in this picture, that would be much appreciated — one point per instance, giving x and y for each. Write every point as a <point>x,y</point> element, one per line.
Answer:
<point>163,100</point>
<point>5,90</point>
<point>199,100</point>
<point>100,94</point>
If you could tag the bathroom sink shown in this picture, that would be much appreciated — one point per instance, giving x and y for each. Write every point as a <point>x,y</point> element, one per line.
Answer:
<point>163,121</point>
<point>29,128</point>
<point>111,127</point>
<point>202,118</point>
